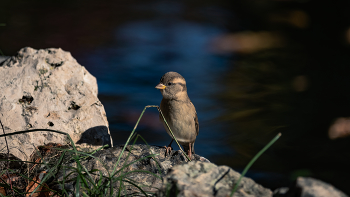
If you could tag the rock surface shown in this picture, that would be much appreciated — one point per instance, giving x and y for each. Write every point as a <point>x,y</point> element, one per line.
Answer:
<point>3,58</point>
<point>48,89</point>
<point>208,180</point>
<point>310,187</point>
<point>140,159</point>
<point>175,176</point>
<point>172,175</point>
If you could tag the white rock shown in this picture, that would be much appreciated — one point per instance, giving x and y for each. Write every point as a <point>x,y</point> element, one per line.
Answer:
<point>48,89</point>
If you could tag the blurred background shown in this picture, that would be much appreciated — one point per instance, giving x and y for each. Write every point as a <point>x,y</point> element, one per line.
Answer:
<point>254,68</point>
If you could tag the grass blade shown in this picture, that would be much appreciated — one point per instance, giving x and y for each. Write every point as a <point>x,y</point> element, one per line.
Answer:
<point>253,160</point>
<point>135,185</point>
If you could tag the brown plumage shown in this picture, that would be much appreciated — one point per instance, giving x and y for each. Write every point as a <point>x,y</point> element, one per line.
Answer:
<point>178,111</point>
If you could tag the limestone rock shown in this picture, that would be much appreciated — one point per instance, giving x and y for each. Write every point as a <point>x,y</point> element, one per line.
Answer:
<point>48,89</point>
<point>208,180</point>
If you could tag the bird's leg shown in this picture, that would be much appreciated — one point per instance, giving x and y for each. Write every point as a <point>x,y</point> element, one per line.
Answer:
<point>189,151</point>
<point>168,148</point>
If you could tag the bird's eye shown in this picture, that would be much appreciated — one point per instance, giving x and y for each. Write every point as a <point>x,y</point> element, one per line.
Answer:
<point>169,84</point>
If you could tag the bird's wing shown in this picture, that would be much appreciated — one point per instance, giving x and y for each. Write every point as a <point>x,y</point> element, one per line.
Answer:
<point>195,120</point>
<point>197,124</point>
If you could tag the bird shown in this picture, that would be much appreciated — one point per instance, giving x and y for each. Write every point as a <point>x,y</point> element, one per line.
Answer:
<point>178,111</point>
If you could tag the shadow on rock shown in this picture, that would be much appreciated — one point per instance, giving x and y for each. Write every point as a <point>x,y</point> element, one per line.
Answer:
<point>97,136</point>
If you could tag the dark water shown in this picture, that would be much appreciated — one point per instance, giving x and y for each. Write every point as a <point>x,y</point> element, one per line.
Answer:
<point>243,97</point>
<point>140,53</point>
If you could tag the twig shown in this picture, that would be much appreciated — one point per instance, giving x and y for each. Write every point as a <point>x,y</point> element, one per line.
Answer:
<point>8,159</point>
<point>36,161</point>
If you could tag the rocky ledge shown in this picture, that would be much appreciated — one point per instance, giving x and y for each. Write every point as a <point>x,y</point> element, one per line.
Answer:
<point>147,167</point>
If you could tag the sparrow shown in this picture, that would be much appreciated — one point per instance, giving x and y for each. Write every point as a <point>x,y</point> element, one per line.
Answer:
<point>178,111</point>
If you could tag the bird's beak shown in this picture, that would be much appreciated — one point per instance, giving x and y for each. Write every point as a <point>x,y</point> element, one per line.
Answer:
<point>160,86</point>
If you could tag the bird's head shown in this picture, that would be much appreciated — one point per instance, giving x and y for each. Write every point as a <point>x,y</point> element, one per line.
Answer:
<point>173,86</point>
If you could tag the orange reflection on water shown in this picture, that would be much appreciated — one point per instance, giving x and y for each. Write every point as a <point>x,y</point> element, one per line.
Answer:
<point>340,128</point>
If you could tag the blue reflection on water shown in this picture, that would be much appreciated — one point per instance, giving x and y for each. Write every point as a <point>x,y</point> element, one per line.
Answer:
<point>140,54</point>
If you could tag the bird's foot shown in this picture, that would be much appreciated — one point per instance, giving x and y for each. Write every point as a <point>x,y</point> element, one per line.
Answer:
<point>168,149</point>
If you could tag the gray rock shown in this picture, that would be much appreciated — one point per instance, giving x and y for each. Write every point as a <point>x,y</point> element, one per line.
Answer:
<point>310,187</point>
<point>105,161</point>
<point>207,179</point>
<point>48,89</point>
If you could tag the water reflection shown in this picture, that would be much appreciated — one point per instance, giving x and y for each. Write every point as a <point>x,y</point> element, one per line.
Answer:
<point>297,89</point>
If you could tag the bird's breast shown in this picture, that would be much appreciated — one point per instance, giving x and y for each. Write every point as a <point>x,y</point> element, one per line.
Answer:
<point>180,117</point>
